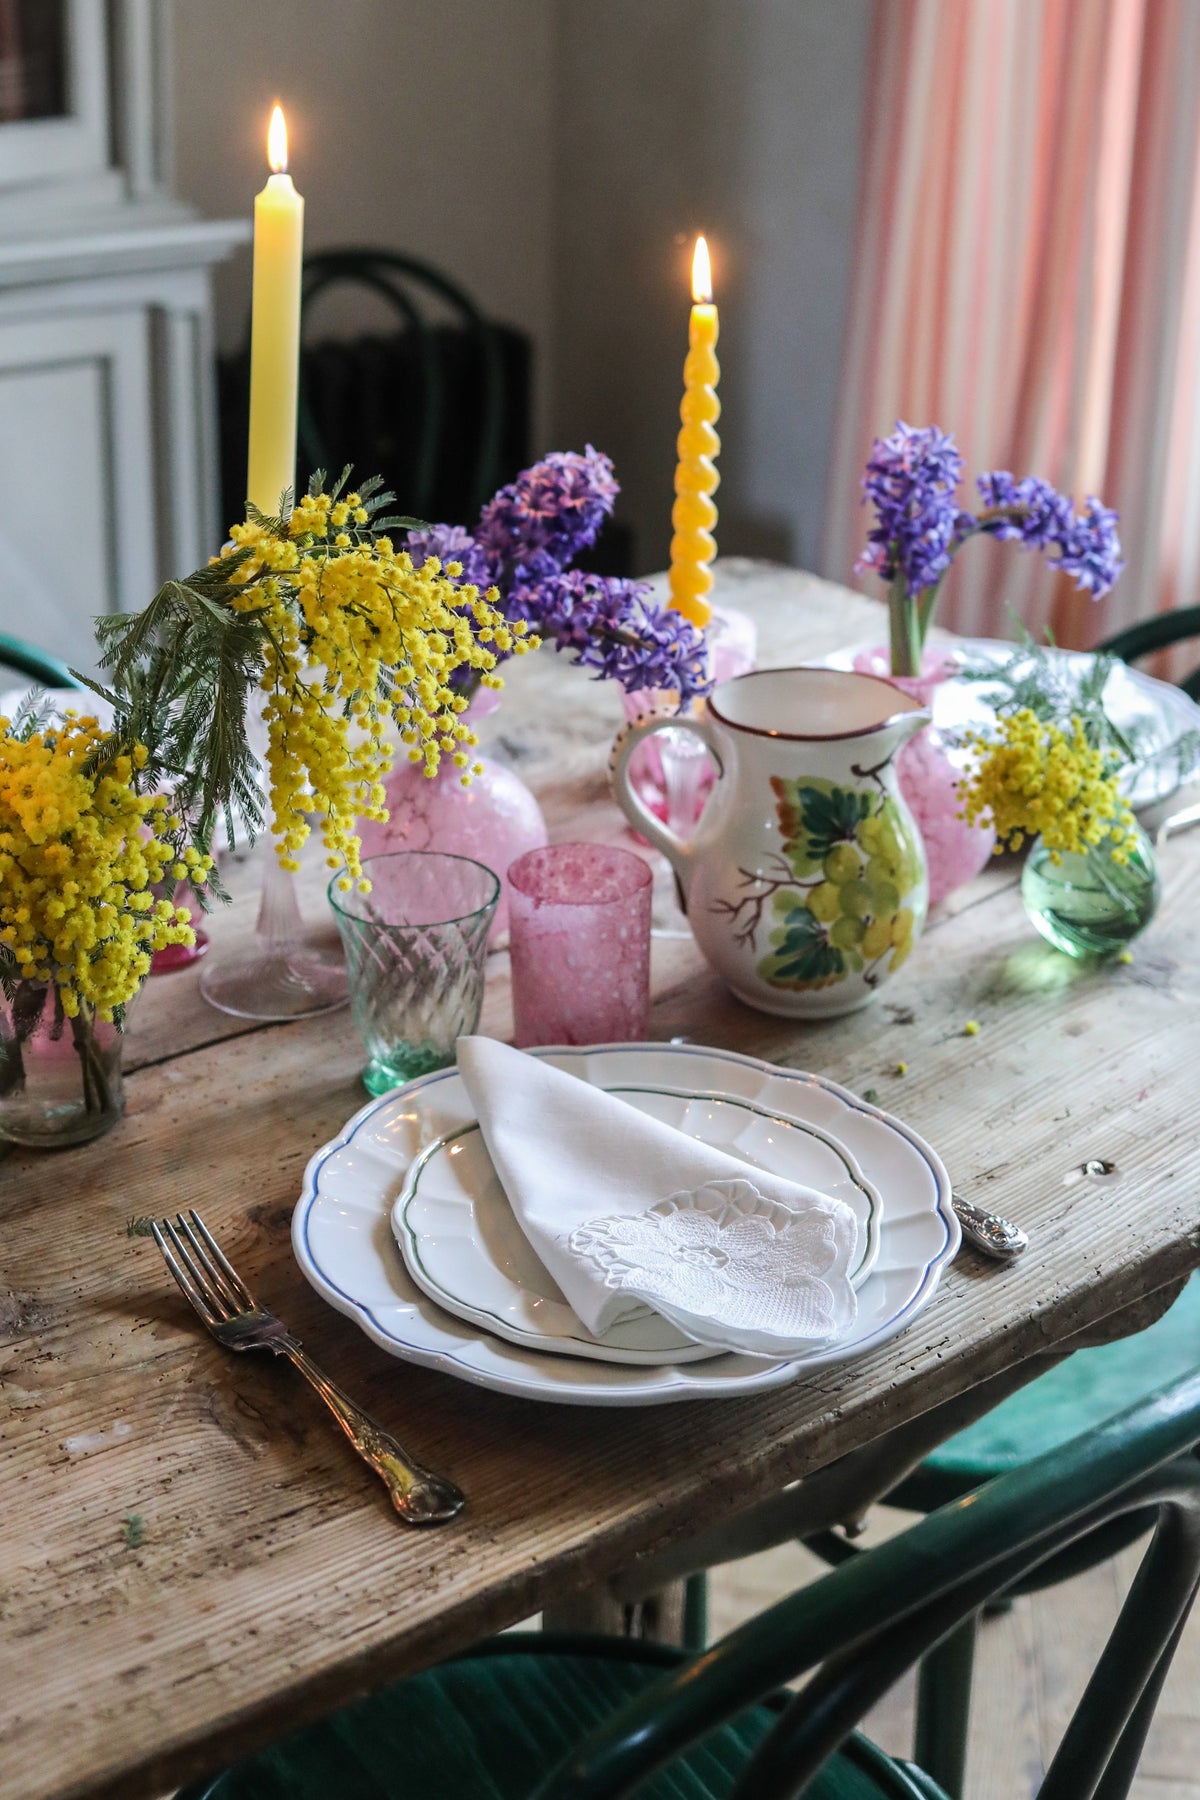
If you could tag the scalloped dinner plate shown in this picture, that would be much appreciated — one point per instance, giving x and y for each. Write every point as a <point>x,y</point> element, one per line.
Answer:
<point>343,1241</point>
<point>464,1247</point>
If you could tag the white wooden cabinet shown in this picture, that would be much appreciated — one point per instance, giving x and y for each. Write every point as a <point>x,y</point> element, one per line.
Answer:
<point>108,454</point>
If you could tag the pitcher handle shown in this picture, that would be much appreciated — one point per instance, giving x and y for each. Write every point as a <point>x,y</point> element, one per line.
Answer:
<point>675,848</point>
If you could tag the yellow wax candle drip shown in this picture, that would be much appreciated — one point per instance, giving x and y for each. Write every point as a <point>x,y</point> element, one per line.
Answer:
<point>694,514</point>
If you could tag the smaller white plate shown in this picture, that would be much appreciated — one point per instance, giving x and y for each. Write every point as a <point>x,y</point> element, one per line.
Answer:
<point>464,1248</point>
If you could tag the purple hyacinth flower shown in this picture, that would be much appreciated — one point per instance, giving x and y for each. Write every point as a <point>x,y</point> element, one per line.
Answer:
<point>615,628</point>
<point>1037,516</point>
<point>911,480</point>
<point>453,543</point>
<point>551,511</point>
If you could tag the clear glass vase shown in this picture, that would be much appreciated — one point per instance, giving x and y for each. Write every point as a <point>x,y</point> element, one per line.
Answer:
<point>60,1078</point>
<point>1087,903</point>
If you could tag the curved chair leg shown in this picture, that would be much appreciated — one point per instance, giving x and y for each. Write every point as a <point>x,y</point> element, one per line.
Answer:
<point>944,1708</point>
<point>695,1612</point>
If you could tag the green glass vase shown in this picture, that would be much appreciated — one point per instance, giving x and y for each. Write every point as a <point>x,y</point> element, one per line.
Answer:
<point>1087,903</point>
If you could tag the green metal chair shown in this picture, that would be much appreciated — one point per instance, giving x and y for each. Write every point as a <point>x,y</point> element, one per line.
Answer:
<point>1158,633</point>
<point>39,665</point>
<point>539,1718</point>
<point>1080,1394</point>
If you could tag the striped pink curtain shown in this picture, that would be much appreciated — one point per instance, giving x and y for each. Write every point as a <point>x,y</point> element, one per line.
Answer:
<point>1027,276</point>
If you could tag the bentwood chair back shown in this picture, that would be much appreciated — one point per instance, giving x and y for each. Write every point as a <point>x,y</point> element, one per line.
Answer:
<point>38,665</point>
<point>545,1718</point>
<point>1158,633</point>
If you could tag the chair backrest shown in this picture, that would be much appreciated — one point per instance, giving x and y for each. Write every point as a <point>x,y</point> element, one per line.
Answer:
<point>439,407</point>
<point>861,1626</point>
<point>1158,633</point>
<point>39,665</point>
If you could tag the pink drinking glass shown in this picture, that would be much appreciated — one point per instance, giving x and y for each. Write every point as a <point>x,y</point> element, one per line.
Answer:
<point>579,936</point>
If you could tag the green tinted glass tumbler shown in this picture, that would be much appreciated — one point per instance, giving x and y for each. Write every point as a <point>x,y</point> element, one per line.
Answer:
<point>416,946</point>
<point>1091,903</point>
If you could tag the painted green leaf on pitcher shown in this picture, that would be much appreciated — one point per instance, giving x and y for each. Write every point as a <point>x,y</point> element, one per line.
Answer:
<point>804,955</point>
<point>814,816</point>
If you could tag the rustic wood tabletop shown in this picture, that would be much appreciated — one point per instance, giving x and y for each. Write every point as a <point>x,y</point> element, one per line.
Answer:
<point>272,1581</point>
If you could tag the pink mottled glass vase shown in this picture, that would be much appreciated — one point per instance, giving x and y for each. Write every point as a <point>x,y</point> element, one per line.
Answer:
<point>675,777</point>
<point>928,776</point>
<point>580,945</point>
<point>493,821</point>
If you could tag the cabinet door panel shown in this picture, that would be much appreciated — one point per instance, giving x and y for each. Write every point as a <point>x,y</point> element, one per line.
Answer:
<point>77,512</point>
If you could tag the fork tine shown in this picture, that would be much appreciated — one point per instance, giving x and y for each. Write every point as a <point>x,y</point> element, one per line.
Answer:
<point>223,1263</point>
<point>213,1300</point>
<point>221,1286</point>
<point>190,1293</point>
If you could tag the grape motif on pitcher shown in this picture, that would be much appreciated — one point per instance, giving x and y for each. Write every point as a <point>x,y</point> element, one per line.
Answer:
<point>846,898</point>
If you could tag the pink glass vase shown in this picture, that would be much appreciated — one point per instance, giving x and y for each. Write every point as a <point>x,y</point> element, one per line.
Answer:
<point>493,821</point>
<point>670,772</point>
<point>928,774</point>
<point>580,945</point>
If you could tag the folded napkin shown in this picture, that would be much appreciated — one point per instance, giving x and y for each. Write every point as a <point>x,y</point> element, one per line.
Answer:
<point>626,1212</point>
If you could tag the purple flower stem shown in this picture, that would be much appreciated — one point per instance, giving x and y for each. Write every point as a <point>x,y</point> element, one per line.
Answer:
<point>906,631</point>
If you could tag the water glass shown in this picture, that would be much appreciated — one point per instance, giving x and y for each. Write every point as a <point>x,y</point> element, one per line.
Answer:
<point>579,936</point>
<point>416,946</point>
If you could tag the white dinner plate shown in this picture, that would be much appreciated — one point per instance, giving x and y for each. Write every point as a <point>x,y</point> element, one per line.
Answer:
<point>464,1248</point>
<point>1154,714</point>
<point>342,1234</point>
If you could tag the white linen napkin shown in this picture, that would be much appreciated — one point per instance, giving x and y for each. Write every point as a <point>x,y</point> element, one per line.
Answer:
<point>626,1212</point>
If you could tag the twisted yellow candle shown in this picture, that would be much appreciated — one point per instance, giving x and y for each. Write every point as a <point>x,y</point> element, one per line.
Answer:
<point>694,515</point>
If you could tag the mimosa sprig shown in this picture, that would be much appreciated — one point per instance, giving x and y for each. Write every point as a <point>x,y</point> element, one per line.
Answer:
<point>350,639</point>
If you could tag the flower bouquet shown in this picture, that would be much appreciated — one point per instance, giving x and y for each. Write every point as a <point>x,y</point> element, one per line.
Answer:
<point>522,549</point>
<point>1051,772</point>
<point>87,841</point>
<point>912,482</point>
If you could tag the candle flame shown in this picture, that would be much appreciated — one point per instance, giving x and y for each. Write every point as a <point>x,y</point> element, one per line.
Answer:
<point>701,273</point>
<point>277,142</point>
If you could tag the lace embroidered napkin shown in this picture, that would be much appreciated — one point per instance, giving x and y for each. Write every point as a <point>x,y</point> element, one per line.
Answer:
<point>626,1212</point>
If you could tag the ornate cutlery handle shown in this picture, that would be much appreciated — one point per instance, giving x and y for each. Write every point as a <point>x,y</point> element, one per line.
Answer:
<point>988,1232</point>
<point>418,1495</point>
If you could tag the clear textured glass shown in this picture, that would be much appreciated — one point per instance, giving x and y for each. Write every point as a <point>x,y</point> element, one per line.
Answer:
<point>416,946</point>
<point>579,936</point>
<point>1087,904</point>
<point>60,1078</point>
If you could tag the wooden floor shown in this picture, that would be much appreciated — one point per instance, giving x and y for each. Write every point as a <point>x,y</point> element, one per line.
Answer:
<point>1030,1668</point>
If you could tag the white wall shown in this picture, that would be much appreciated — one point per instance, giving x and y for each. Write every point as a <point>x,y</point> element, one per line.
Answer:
<point>740,118</point>
<point>420,124</point>
<point>558,156</point>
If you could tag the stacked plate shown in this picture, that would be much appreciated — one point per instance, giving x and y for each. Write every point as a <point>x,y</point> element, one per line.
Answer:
<point>403,1226</point>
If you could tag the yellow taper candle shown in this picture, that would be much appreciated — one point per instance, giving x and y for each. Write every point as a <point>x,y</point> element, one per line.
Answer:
<point>694,515</point>
<point>275,328</point>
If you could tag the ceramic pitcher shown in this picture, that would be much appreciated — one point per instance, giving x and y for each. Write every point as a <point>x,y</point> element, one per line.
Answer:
<point>805,881</point>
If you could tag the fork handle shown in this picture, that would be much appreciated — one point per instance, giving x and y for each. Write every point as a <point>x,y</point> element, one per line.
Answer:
<point>419,1496</point>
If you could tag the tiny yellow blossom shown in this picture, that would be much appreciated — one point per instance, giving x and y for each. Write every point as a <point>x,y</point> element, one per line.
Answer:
<point>81,854</point>
<point>1037,780</point>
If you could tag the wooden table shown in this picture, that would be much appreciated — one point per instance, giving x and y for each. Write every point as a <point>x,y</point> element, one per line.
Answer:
<point>273,1582</point>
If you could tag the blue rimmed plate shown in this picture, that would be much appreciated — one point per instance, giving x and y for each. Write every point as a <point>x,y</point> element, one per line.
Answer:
<point>342,1227</point>
<point>464,1248</point>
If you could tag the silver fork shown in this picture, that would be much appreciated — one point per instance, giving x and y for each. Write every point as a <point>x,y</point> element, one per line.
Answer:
<point>232,1314</point>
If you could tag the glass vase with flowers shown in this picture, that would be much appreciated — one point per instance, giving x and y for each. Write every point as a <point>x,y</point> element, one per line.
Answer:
<point>1051,772</point>
<point>524,548</point>
<point>85,841</point>
<point>912,482</point>
<point>319,624</point>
